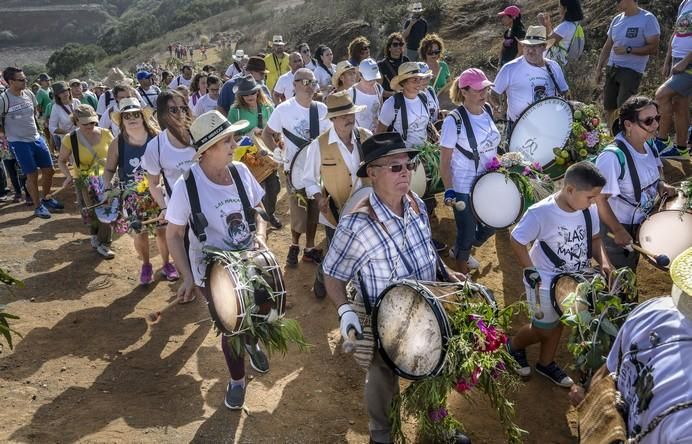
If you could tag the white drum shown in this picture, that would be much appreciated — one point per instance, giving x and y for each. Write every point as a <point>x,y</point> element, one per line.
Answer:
<point>419,180</point>
<point>297,169</point>
<point>496,200</point>
<point>356,197</point>
<point>543,126</point>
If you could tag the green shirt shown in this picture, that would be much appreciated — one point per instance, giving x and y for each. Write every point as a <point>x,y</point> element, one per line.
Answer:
<point>44,101</point>
<point>90,99</point>
<point>235,114</point>
<point>442,77</point>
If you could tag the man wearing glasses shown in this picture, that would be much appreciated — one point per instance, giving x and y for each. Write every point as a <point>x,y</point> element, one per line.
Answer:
<point>300,119</point>
<point>18,124</point>
<point>283,90</point>
<point>308,61</point>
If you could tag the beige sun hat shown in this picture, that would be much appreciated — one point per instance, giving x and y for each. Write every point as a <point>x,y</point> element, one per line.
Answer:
<point>210,128</point>
<point>536,35</point>
<point>278,40</point>
<point>85,114</point>
<point>341,68</point>
<point>415,7</point>
<point>116,76</point>
<point>130,105</point>
<point>340,104</point>
<point>407,70</point>
<point>681,273</point>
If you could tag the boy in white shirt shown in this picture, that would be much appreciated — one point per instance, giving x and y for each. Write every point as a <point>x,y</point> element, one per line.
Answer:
<point>564,229</point>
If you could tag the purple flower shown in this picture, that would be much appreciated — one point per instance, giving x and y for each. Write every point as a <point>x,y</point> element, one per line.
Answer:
<point>493,165</point>
<point>592,139</point>
<point>438,414</point>
<point>498,370</point>
<point>537,166</point>
<point>527,171</point>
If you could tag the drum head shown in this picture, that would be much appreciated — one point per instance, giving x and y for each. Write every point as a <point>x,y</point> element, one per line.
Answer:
<point>419,180</point>
<point>562,286</point>
<point>666,232</point>
<point>543,126</point>
<point>295,173</point>
<point>355,199</point>
<point>224,302</point>
<point>496,200</point>
<point>107,214</point>
<point>270,305</point>
<point>409,327</point>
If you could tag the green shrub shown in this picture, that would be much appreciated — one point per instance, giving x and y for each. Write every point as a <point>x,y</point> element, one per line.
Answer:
<point>72,57</point>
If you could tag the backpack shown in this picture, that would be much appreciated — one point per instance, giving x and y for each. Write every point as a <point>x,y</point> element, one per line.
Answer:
<point>5,108</point>
<point>399,105</point>
<point>460,115</point>
<point>576,45</point>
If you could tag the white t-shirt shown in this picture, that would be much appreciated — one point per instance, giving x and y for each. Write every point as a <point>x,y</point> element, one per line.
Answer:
<point>179,80</point>
<point>204,104</point>
<point>106,122</point>
<point>657,376</point>
<point>559,51</point>
<point>296,119</point>
<point>227,227</point>
<point>632,31</point>
<point>682,37</point>
<point>487,139</point>
<point>285,85</point>
<point>323,77</point>
<point>525,84</point>
<point>148,96</point>
<point>648,171</point>
<point>61,119</point>
<point>373,103</point>
<point>162,156</point>
<point>101,106</point>
<point>418,118</point>
<point>232,71</point>
<point>564,232</point>
<point>311,65</point>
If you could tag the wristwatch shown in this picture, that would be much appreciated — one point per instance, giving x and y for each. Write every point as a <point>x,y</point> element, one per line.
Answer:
<point>628,50</point>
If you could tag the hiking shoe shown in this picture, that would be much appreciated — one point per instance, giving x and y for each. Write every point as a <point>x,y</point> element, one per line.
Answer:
<point>146,276</point>
<point>439,246</point>
<point>524,369</point>
<point>663,145</point>
<point>275,222</point>
<point>258,360</point>
<point>17,198</point>
<point>105,251</point>
<point>314,255</point>
<point>318,288</point>
<point>52,204</point>
<point>94,240</point>
<point>292,258</point>
<point>235,397</point>
<point>42,212</point>
<point>473,263</point>
<point>555,374</point>
<point>170,272</point>
<point>676,152</point>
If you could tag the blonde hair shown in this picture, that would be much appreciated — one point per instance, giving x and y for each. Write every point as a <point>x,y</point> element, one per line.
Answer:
<point>455,93</point>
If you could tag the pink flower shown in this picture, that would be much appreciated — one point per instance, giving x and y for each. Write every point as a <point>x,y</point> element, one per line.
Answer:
<point>498,370</point>
<point>463,386</point>
<point>475,375</point>
<point>493,165</point>
<point>592,139</point>
<point>537,166</point>
<point>527,171</point>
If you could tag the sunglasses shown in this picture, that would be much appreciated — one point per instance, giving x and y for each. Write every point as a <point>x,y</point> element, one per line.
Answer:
<point>306,82</point>
<point>179,109</point>
<point>650,120</point>
<point>133,115</point>
<point>305,51</point>
<point>22,80</point>
<point>434,52</point>
<point>396,45</point>
<point>398,167</point>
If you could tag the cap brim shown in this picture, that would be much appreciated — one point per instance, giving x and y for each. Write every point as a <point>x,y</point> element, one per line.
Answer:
<point>234,128</point>
<point>363,170</point>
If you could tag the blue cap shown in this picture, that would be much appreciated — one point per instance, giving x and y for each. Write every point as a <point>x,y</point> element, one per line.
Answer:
<point>144,75</point>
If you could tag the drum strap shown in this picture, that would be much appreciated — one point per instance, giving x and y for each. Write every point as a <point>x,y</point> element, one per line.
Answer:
<point>75,147</point>
<point>121,154</point>
<point>169,190</point>
<point>248,210</point>
<point>314,129</point>
<point>552,77</point>
<point>557,261</point>
<point>461,115</point>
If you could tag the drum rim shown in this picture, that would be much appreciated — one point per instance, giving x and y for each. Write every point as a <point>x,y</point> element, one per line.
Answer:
<point>648,258</point>
<point>212,307</point>
<point>278,277</point>
<point>441,317</point>
<point>473,209</point>
<point>553,286</point>
<point>514,125</point>
<point>289,176</point>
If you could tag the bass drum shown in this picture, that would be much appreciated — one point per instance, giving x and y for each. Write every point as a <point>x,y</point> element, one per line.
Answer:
<point>543,126</point>
<point>667,231</point>
<point>297,169</point>
<point>496,200</point>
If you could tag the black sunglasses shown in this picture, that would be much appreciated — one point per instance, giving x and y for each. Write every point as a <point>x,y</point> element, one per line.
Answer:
<point>398,167</point>
<point>305,51</point>
<point>650,120</point>
<point>306,82</point>
<point>132,115</point>
<point>396,45</point>
<point>434,52</point>
<point>365,48</point>
<point>179,109</point>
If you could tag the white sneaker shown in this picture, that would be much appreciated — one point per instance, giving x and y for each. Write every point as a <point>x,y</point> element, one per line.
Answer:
<point>94,241</point>
<point>473,263</point>
<point>105,251</point>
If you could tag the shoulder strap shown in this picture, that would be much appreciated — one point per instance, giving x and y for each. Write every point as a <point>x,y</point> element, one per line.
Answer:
<point>146,97</point>
<point>198,222</point>
<point>75,148</point>
<point>248,210</point>
<point>5,107</point>
<point>463,116</point>
<point>621,159</point>
<point>297,141</point>
<point>169,191</point>
<point>589,233</point>
<point>121,155</point>
<point>260,117</point>
<point>109,97</point>
<point>552,77</point>
<point>354,94</point>
<point>400,107</point>
<point>557,261</point>
<point>489,110</point>
<point>636,183</point>
<point>314,121</point>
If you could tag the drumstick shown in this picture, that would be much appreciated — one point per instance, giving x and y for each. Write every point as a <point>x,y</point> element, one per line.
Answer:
<point>349,344</point>
<point>661,259</point>
<point>156,315</point>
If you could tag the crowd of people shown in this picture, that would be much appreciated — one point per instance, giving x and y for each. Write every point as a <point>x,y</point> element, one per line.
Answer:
<point>334,128</point>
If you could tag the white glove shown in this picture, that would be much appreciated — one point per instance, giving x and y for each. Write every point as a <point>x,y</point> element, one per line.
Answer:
<point>349,320</point>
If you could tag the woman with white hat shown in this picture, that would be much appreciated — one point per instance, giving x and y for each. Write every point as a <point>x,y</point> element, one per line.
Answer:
<point>220,197</point>
<point>344,77</point>
<point>238,66</point>
<point>368,93</point>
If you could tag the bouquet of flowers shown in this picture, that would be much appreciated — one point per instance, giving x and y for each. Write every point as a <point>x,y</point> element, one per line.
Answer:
<point>533,184</point>
<point>477,359</point>
<point>90,183</point>
<point>138,205</point>
<point>594,329</point>
<point>589,136</point>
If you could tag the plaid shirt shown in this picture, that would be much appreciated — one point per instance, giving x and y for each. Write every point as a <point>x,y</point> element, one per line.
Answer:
<point>362,244</point>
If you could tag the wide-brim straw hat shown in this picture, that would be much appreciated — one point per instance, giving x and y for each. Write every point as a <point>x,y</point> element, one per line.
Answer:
<point>116,76</point>
<point>536,35</point>
<point>415,7</point>
<point>210,128</point>
<point>130,105</point>
<point>681,273</point>
<point>407,70</point>
<point>240,55</point>
<point>341,104</point>
<point>341,68</point>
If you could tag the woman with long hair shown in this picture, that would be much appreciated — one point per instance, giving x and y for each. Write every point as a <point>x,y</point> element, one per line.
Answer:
<point>198,88</point>
<point>61,122</point>
<point>168,155</point>
<point>431,51</point>
<point>515,31</point>
<point>358,50</point>
<point>325,68</point>
<point>564,34</point>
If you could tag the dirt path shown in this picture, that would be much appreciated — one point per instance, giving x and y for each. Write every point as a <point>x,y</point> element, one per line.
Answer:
<point>89,368</point>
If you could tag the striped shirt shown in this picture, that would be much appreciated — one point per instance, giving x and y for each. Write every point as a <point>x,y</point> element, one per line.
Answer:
<point>382,251</point>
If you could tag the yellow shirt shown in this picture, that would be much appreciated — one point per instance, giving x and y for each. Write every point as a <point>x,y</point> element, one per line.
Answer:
<point>86,159</point>
<point>276,67</point>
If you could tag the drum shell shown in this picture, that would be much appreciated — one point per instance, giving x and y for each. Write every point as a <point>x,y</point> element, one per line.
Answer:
<point>556,286</point>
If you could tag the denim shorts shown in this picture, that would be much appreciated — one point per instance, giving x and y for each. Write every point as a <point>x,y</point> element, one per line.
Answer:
<point>681,83</point>
<point>32,155</point>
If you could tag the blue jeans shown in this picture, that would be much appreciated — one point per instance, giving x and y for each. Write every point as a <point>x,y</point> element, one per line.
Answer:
<point>470,233</point>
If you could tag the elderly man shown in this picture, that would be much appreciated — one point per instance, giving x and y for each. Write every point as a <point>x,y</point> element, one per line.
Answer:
<point>331,165</point>
<point>529,78</point>
<point>390,223</point>
<point>283,90</point>
<point>301,120</point>
<point>276,61</point>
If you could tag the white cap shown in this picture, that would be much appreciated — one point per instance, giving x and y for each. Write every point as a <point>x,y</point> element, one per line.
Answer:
<point>369,70</point>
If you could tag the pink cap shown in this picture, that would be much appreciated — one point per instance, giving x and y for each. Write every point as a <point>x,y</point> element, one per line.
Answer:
<point>475,79</point>
<point>511,11</point>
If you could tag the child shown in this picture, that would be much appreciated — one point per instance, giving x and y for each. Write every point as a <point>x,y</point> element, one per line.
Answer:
<point>559,227</point>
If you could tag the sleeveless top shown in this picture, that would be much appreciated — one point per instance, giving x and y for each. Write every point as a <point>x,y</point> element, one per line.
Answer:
<point>130,158</point>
